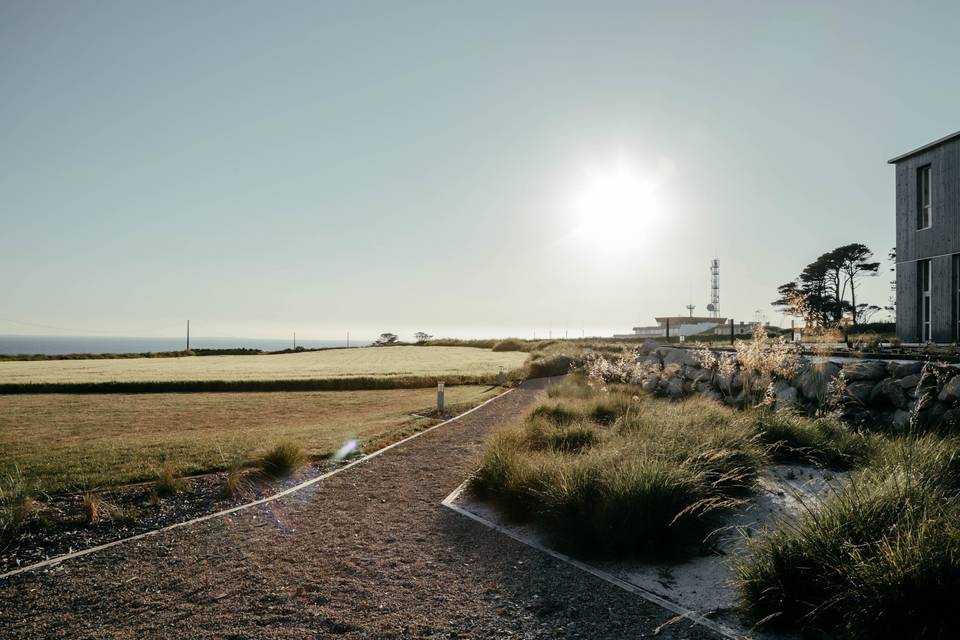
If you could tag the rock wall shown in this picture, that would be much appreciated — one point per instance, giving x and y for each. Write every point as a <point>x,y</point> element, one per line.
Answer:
<point>874,393</point>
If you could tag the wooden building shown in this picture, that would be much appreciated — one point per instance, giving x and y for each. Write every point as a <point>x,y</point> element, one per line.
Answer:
<point>928,242</point>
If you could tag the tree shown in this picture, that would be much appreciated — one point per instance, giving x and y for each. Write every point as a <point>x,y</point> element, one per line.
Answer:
<point>852,262</point>
<point>819,294</point>
<point>892,299</point>
<point>420,336</point>
<point>386,339</point>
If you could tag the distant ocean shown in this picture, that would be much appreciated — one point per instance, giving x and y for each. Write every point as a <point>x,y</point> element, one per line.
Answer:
<point>58,345</point>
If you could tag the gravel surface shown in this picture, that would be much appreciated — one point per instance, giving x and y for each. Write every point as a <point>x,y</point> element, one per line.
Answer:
<point>368,553</point>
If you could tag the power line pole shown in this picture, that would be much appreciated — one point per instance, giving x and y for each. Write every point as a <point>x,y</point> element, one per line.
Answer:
<point>294,340</point>
<point>348,339</point>
<point>188,335</point>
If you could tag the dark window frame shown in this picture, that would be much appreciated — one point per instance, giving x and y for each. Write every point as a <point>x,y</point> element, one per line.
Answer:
<point>924,197</point>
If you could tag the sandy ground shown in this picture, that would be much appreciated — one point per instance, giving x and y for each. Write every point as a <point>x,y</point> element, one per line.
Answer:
<point>367,553</point>
<point>704,583</point>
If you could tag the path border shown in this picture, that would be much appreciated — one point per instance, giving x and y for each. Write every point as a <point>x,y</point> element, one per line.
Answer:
<point>219,514</point>
<point>682,612</point>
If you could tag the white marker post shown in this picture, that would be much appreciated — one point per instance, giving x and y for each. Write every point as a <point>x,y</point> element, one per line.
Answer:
<point>501,378</point>
<point>440,398</point>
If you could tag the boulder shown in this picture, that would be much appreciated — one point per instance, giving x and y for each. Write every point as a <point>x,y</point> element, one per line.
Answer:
<point>652,360</point>
<point>859,391</point>
<point>712,395</point>
<point>900,420</point>
<point>950,419</point>
<point>951,391</point>
<point>675,388</point>
<point>864,370</point>
<point>696,374</point>
<point>933,415</point>
<point>650,384</point>
<point>889,394</point>
<point>787,396</point>
<point>729,384</point>
<point>904,369</point>
<point>682,357</point>
<point>648,347</point>
<point>814,379</point>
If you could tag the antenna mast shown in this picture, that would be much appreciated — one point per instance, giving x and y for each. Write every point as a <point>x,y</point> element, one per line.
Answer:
<point>714,306</point>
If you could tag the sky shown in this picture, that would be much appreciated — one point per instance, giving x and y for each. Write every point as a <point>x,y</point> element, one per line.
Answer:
<point>464,169</point>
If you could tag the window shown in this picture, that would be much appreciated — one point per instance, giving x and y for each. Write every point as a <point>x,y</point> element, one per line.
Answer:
<point>924,219</point>
<point>923,288</point>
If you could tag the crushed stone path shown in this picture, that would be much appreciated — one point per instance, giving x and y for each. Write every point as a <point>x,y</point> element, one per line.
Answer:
<point>367,553</point>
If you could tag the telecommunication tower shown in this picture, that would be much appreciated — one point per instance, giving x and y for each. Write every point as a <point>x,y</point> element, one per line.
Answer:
<point>714,306</point>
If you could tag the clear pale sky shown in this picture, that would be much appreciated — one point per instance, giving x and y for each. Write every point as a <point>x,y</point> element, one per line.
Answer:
<point>401,166</point>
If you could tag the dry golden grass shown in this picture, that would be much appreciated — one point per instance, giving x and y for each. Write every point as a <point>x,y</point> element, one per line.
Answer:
<point>69,442</point>
<point>335,363</point>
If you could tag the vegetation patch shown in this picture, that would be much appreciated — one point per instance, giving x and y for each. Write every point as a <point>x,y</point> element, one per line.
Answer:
<point>614,472</point>
<point>824,441</point>
<point>880,558</point>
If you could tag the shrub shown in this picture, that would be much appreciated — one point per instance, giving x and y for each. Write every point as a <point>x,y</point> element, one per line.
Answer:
<point>510,344</point>
<point>282,460</point>
<point>546,366</point>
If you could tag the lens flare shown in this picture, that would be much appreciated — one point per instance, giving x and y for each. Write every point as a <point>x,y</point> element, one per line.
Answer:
<point>347,449</point>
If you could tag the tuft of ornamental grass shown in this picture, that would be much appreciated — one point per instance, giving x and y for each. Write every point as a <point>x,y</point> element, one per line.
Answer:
<point>168,483</point>
<point>282,460</point>
<point>880,558</point>
<point>606,473</point>
<point>824,441</point>
<point>17,505</point>
<point>94,508</point>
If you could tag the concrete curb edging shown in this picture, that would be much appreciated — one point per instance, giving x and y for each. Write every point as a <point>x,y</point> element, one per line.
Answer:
<point>682,612</point>
<point>218,514</point>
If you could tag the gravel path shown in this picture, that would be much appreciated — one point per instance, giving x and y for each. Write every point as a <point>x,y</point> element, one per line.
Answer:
<point>368,553</point>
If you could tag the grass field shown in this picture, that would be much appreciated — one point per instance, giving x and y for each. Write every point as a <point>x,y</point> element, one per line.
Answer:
<point>64,442</point>
<point>336,363</point>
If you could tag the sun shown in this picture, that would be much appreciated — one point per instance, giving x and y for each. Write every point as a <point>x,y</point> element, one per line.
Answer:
<point>615,205</point>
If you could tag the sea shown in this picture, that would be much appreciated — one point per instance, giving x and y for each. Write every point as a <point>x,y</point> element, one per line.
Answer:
<point>59,345</point>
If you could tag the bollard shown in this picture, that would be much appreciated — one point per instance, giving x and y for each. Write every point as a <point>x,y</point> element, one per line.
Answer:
<point>440,398</point>
<point>501,378</point>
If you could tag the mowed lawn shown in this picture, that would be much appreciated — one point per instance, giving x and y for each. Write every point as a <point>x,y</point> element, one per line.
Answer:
<point>68,442</point>
<point>334,363</point>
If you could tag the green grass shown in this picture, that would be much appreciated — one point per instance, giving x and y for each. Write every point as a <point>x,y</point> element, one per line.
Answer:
<point>879,558</point>
<point>614,473</point>
<point>73,442</point>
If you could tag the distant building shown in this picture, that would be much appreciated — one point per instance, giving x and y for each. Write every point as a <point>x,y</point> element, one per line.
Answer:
<point>928,242</point>
<point>679,326</point>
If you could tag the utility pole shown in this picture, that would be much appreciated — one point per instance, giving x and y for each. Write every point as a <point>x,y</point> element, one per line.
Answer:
<point>294,340</point>
<point>188,335</point>
<point>348,339</point>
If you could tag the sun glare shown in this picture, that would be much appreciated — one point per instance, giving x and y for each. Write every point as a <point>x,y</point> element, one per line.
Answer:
<point>616,205</point>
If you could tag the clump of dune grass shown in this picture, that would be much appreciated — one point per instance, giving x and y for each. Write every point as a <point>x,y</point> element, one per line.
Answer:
<point>824,441</point>
<point>168,482</point>
<point>879,558</point>
<point>234,484</point>
<point>282,460</point>
<point>617,473</point>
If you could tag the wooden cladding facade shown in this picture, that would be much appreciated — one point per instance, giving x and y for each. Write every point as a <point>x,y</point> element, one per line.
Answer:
<point>939,243</point>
